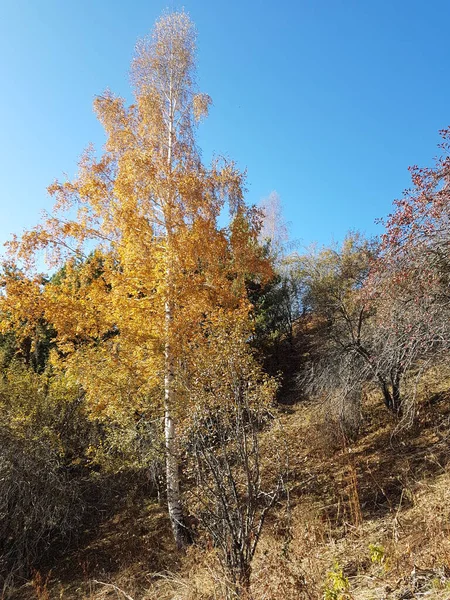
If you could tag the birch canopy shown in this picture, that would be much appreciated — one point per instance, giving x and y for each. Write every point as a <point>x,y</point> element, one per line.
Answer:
<point>140,259</point>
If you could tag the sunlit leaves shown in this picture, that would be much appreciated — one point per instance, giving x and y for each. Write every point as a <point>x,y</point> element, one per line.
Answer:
<point>135,232</point>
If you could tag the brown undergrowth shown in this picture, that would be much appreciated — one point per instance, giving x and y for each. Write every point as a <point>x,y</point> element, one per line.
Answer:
<point>368,520</point>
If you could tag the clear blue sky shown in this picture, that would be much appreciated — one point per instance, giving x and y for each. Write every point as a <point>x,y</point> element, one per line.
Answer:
<point>327,102</point>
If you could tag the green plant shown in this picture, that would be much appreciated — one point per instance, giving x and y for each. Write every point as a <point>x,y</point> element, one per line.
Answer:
<point>337,586</point>
<point>378,555</point>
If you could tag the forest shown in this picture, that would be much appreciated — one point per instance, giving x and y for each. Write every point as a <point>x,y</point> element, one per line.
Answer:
<point>192,409</point>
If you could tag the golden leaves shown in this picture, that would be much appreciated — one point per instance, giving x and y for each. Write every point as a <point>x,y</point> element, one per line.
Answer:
<point>169,50</point>
<point>201,104</point>
<point>137,231</point>
<point>21,304</point>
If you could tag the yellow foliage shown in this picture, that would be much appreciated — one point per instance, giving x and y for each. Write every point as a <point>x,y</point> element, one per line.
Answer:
<point>142,263</point>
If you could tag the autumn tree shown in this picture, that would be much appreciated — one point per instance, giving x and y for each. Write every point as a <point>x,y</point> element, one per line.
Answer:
<point>237,483</point>
<point>415,245</point>
<point>339,340</point>
<point>277,303</point>
<point>23,331</point>
<point>274,229</point>
<point>410,280</point>
<point>382,314</point>
<point>145,262</point>
<point>357,337</point>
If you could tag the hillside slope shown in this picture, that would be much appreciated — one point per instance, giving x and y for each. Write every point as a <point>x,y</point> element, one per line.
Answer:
<point>366,521</point>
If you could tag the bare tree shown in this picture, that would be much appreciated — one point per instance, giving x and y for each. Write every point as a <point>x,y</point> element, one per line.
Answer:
<point>234,490</point>
<point>274,230</point>
<point>339,334</point>
<point>409,283</point>
<point>232,501</point>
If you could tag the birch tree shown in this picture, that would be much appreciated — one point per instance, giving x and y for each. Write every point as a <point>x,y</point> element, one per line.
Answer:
<point>274,230</point>
<point>136,234</point>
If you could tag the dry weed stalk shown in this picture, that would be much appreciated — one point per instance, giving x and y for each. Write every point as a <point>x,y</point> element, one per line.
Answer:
<point>114,587</point>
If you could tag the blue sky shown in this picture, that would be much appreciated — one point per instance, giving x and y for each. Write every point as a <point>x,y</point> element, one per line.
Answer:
<point>326,102</point>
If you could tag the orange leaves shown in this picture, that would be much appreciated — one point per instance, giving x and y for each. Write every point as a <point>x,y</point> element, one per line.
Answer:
<point>219,363</point>
<point>248,256</point>
<point>229,184</point>
<point>123,382</point>
<point>115,118</point>
<point>170,49</point>
<point>21,303</point>
<point>201,104</point>
<point>136,232</point>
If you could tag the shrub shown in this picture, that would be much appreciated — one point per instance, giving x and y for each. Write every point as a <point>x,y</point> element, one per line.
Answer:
<point>39,502</point>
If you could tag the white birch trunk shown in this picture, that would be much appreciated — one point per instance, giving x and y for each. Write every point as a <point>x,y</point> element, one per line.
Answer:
<point>179,529</point>
<point>180,532</point>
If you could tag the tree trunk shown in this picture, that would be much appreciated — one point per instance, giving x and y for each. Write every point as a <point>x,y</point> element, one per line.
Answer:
<point>386,395</point>
<point>392,398</point>
<point>396,396</point>
<point>243,583</point>
<point>180,531</point>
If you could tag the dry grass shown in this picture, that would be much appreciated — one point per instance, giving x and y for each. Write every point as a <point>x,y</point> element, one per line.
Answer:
<point>400,479</point>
